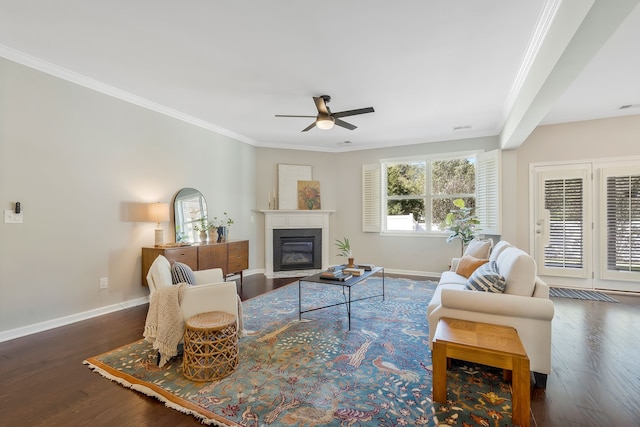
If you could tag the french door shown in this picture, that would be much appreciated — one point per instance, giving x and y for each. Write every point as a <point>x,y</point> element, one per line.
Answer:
<point>586,224</point>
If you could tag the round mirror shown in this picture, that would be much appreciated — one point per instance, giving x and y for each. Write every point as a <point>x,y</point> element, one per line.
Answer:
<point>190,209</point>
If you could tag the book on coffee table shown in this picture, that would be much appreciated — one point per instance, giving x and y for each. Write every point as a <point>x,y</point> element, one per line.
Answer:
<point>354,271</point>
<point>338,275</point>
<point>365,267</point>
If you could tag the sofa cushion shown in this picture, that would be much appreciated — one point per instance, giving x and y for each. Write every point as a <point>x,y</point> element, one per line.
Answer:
<point>486,278</point>
<point>519,270</point>
<point>479,248</point>
<point>182,273</point>
<point>450,277</point>
<point>468,264</point>
<point>498,249</point>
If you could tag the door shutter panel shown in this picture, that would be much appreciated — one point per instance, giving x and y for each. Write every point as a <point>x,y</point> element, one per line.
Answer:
<point>371,198</point>
<point>622,188</point>
<point>488,192</point>
<point>564,202</point>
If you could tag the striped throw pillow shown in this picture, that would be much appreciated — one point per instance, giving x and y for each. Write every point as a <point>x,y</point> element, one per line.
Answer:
<point>182,273</point>
<point>486,278</point>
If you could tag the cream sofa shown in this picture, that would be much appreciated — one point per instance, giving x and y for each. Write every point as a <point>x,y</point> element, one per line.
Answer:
<point>524,305</point>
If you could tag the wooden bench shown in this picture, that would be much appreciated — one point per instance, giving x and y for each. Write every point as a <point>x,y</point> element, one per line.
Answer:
<point>486,344</point>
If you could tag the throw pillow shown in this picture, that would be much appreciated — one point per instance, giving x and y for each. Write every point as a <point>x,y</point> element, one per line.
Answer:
<point>468,265</point>
<point>479,248</point>
<point>182,273</point>
<point>486,278</point>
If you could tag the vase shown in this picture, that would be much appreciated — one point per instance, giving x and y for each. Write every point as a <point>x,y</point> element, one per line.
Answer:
<point>223,233</point>
<point>350,264</point>
<point>203,236</point>
<point>213,235</point>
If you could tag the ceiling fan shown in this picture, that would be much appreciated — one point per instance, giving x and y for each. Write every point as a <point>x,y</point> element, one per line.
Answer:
<point>326,119</point>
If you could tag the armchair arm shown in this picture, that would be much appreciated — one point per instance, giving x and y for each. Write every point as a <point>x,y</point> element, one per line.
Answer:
<point>212,275</point>
<point>498,304</point>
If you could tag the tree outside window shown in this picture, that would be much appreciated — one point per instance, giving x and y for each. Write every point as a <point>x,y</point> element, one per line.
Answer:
<point>422,192</point>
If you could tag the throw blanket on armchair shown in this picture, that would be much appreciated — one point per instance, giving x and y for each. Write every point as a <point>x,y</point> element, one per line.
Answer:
<point>164,326</point>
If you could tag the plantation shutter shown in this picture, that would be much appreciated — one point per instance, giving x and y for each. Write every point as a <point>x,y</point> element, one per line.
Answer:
<point>488,192</point>
<point>371,198</point>
<point>622,187</point>
<point>564,203</point>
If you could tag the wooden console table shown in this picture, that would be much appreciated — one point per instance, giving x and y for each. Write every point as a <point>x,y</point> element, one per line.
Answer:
<point>231,256</point>
<point>487,344</point>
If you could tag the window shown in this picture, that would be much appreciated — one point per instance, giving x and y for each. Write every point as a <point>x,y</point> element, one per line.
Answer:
<point>415,194</point>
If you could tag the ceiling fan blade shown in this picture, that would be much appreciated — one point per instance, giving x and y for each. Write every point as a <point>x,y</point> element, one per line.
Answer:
<point>321,105</point>
<point>345,124</point>
<point>353,112</point>
<point>287,115</point>
<point>311,126</point>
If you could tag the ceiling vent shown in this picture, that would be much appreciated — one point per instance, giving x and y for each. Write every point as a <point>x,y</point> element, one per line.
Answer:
<point>461,128</point>
<point>627,106</point>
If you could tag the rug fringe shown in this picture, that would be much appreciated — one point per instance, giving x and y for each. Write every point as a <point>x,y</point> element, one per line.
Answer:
<point>147,391</point>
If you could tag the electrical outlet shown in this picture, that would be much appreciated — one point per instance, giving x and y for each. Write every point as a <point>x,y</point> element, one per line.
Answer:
<point>104,283</point>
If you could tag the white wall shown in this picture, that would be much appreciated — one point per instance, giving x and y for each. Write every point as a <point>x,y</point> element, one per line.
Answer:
<point>77,160</point>
<point>570,142</point>
<point>340,185</point>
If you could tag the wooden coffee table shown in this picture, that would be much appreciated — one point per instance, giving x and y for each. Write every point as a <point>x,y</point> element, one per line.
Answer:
<point>486,344</point>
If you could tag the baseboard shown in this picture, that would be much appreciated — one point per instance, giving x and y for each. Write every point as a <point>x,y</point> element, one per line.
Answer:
<point>66,320</point>
<point>414,273</point>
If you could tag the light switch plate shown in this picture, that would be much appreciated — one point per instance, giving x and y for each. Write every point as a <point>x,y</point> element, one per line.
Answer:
<point>10,217</point>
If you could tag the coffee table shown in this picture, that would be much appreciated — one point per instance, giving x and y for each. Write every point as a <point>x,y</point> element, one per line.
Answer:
<point>487,344</point>
<point>346,285</point>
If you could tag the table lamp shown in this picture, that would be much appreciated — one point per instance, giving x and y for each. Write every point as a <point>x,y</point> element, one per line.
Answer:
<point>158,212</point>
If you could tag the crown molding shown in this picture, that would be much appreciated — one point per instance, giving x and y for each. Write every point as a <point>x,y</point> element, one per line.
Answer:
<point>98,86</point>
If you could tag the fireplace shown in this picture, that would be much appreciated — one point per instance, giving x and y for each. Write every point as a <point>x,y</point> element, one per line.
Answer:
<point>297,249</point>
<point>296,220</point>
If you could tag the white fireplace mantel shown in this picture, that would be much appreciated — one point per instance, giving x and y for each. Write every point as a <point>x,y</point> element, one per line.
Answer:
<point>279,219</point>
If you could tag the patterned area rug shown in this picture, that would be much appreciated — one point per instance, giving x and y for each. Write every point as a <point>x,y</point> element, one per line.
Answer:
<point>315,372</point>
<point>580,294</point>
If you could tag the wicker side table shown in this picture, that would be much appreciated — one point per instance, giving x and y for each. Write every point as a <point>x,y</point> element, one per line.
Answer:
<point>210,346</point>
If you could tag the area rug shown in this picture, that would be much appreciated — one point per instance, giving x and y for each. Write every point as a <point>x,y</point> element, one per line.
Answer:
<point>580,294</point>
<point>316,372</point>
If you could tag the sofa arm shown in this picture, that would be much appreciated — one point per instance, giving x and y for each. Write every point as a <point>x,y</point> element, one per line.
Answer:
<point>498,304</point>
<point>212,275</point>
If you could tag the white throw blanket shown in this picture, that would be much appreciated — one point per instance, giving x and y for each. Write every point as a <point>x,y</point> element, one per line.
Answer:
<point>164,326</point>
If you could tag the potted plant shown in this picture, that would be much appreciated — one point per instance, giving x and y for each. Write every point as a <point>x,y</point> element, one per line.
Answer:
<point>202,229</point>
<point>212,232</point>
<point>461,222</point>
<point>345,250</point>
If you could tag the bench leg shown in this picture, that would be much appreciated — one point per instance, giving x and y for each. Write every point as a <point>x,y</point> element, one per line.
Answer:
<point>439,355</point>
<point>521,392</point>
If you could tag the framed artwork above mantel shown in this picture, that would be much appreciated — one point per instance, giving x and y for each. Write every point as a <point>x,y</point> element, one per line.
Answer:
<point>288,177</point>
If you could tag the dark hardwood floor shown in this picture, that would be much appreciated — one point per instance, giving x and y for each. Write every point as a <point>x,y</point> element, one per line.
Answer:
<point>595,379</point>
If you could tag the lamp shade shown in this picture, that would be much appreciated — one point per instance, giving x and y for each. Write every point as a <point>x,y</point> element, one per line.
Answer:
<point>325,122</point>
<point>158,212</point>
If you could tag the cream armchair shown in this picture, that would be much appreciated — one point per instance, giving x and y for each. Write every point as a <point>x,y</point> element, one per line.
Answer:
<point>170,306</point>
<point>211,292</point>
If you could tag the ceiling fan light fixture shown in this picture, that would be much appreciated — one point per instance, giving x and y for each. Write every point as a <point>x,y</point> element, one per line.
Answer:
<point>325,123</point>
